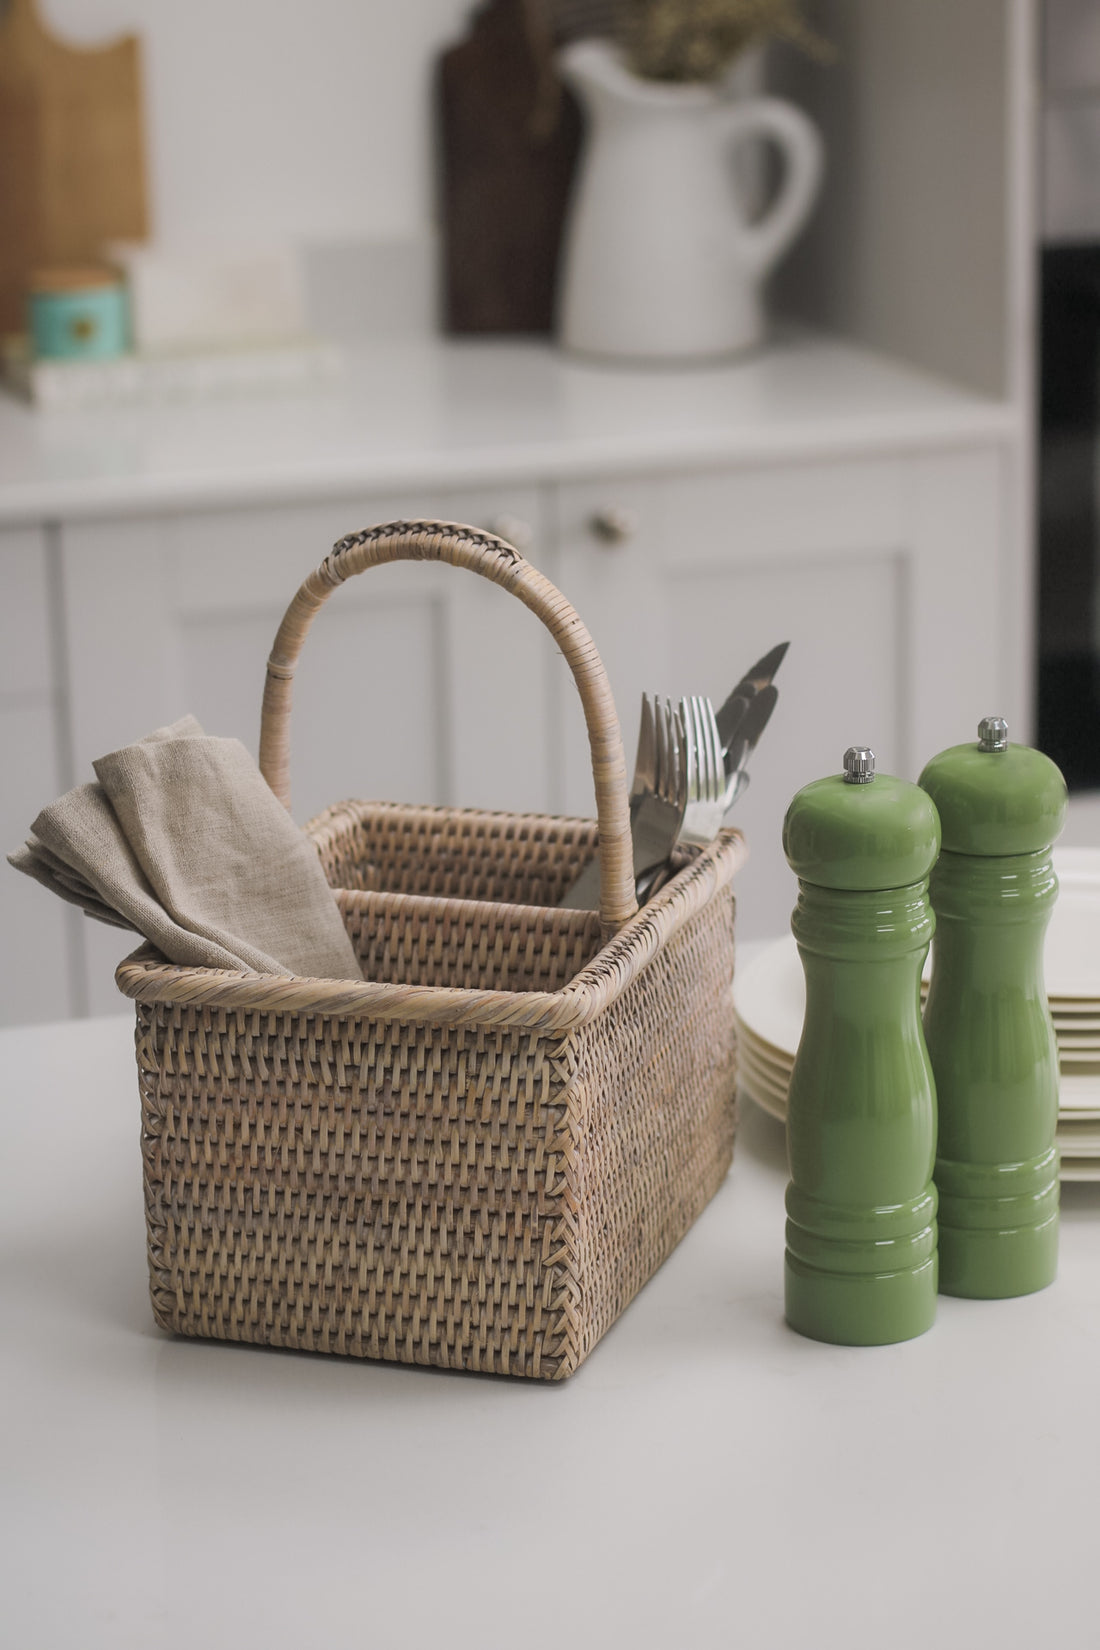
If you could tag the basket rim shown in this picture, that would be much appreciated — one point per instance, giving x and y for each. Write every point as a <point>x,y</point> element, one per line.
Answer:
<point>145,977</point>
<point>334,815</point>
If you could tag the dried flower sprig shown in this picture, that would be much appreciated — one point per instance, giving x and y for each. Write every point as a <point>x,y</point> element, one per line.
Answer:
<point>684,40</point>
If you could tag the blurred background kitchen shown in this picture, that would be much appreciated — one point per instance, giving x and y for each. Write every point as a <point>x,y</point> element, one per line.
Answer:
<point>823,369</point>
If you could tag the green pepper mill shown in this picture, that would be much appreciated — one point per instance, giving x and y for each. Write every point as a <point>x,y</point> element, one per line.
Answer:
<point>861,1119</point>
<point>987,1021</point>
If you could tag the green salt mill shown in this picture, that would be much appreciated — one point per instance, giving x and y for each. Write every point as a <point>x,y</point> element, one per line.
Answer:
<point>861,1120</point>
<point>987,1021</point>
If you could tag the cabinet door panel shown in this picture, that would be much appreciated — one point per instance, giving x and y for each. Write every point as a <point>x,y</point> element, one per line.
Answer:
<point>836,687</point>
<point>365,695</point>
<point>26,665</point>
<point>417,682</point>
<point>37,981</point>
<point>121,639</point>
<point>873,570</point>
<point>36,929</point>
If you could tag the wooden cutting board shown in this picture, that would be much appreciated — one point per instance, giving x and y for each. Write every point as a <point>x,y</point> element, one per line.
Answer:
<point>508,134</point>
<point>72,142</point>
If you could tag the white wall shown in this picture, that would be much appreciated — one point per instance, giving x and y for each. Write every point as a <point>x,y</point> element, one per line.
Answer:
<point>269,119</point>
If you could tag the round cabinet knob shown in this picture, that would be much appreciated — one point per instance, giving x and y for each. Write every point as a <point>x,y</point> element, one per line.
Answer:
<point>613,525</point>
<point>515,531</point>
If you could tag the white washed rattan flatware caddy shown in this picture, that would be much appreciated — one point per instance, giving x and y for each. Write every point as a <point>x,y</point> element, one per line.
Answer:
<point>477,1155</point>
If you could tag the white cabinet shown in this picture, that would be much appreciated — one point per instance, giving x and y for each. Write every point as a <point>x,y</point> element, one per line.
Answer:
<point>413,679</point>
<point>418,682</point>
<point>878,572</point>
<point>421,683</point>
<point>36,932</point>
<point>38,935</point>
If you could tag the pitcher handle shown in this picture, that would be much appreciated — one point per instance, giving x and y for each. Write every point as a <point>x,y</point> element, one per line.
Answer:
<point>761,244</point>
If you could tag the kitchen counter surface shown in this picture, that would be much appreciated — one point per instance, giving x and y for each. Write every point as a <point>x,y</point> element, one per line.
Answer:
<point>434,411</point>
<point>707,1479</point>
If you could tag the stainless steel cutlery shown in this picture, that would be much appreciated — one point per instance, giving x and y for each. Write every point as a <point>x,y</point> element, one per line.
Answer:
<point>690,769</point>
<point>758,677</point>
<point>706,790</point>
<point>660,793</point>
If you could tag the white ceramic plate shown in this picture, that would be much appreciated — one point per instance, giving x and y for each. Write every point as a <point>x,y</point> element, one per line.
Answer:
<point>1081,1168</point>
<point>1071,959</point>
<point>773,1109</point>
<point>763,1055</point>
<point>760,1081</point>
<point>1083,1042</point>
<point>1078,1139</point>
<point>770,997</point>
<point>1078,1094</point>
<point>1077,864</point>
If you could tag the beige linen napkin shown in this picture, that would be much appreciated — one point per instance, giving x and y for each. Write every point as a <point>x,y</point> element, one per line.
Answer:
<point>183,840</point>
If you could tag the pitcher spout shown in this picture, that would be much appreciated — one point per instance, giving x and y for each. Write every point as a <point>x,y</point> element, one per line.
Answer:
<point>597,73</point>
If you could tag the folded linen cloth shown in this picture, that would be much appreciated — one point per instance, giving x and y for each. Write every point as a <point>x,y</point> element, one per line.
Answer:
<point>182,840</point>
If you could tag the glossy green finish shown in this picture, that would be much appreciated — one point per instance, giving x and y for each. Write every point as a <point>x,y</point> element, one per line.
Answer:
<point>861,1263</point>
<point>879,835</point>
<point>996,802</point>
<point>993,1051</point>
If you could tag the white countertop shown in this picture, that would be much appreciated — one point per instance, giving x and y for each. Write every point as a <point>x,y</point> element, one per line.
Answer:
<point>423,411</point>
<point>707,1479</point>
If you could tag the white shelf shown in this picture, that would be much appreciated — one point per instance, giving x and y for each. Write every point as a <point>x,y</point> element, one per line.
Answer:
<point>433,411</point>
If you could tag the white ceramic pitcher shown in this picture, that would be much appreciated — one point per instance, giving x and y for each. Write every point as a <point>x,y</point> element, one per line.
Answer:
<point>659,261</point>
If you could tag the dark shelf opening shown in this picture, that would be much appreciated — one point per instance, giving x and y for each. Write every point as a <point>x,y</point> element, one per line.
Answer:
<point>1068,717</point>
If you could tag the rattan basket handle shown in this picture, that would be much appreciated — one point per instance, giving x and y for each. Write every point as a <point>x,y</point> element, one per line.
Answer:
<point>496,560</point>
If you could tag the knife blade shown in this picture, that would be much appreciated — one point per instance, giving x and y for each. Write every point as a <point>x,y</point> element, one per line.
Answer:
<point>755,679</point>
<point>751,726</point>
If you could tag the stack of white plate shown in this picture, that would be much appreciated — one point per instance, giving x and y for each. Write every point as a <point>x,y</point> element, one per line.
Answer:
<point>769,1000</point>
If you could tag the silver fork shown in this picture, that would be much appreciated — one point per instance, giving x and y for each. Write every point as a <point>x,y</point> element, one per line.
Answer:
<point>707,782</point>
<point>708,788</point>
<point>658,798</point>
<point>656,821</point>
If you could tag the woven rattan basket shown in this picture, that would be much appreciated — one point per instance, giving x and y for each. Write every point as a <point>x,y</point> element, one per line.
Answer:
<point>477,1155</point>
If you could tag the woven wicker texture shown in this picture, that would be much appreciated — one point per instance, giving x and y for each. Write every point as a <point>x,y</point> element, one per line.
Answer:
<point>476,1156</point>
<point>502,564</point>
<point>454,852</point>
